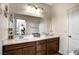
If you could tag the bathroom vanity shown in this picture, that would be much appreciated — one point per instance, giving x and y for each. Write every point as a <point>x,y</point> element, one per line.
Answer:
<point>39,46</point>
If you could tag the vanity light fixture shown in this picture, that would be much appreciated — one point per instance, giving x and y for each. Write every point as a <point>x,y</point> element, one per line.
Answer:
<point>31,9</point>
<point>34,9</point>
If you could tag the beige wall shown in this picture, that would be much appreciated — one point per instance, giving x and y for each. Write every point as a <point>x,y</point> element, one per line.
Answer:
<point>60,24</point>
<point>3,26</point>
<point>4,23</point>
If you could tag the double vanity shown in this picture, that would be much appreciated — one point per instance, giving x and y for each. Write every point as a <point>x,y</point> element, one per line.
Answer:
<point>32,46</point>
<point>22,23</point>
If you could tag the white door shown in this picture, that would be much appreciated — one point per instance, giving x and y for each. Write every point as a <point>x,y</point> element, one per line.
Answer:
<point>73,29</point>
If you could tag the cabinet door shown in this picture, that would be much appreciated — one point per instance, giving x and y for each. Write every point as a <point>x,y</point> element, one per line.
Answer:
<point>41,53</point>
<point>41,49</point>
<point>52,47</point>
<point>13,52</point>
<point>29,50</point>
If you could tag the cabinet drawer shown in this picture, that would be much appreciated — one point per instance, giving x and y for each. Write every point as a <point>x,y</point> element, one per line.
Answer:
<point>41,42</point>
<point>53,39</point>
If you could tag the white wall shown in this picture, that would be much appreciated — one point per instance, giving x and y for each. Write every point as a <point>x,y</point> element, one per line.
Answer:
<point>60,24</point>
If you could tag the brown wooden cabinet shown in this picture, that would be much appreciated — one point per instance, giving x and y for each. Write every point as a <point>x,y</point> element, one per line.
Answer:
<point>29,51</point>
<point>41,47</point>
<point>52,46</point>
<point>13,52</point>
<point>20,49</point>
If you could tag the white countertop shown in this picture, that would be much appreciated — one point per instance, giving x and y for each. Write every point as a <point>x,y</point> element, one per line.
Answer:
<point>16,41</point>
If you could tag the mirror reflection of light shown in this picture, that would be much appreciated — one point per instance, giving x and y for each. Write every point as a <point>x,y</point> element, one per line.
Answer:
<point>38,11</point>
<point>29,9</point>
<point>32,9</point>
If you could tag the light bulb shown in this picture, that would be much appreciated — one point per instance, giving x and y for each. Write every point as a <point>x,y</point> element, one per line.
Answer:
<point>38,11</point>
<point>29,9</point>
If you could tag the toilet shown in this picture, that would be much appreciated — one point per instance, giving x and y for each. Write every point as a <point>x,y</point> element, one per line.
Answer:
<point>72,53</point>
<point>75,52</point>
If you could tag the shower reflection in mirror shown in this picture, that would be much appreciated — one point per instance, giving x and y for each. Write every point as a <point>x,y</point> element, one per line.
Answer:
<point>20,27</point>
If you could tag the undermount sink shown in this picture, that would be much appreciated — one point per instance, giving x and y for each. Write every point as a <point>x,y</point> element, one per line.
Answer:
<point>25,37</point>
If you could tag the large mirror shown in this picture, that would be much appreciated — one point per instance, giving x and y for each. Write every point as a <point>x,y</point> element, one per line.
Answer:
<point>23,23</point>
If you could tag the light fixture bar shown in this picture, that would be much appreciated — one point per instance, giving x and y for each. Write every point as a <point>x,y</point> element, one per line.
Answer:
<point>35,6</point>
